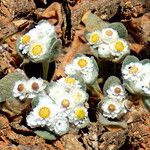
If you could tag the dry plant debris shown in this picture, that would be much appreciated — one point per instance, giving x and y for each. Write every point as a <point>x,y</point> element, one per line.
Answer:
<point>18,17</point>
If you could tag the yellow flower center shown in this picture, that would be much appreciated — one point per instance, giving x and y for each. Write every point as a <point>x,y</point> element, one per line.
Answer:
<point>94,38</point>
<point>117,90</point>
<point>25,39</point>
<point>20,87</point>
<point>133,70</point>
<point>82,63</point>
<point>70,80</point>
<point>37,49</point>
<point>78,97</point>
<point>44,112</point>
<point>111,108</point>
<point>65,103</point>
<point>109,33</point>
<point>119,46</point>
<point>80,113</point>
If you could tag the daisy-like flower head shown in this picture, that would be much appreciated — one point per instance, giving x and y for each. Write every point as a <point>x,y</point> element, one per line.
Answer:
<point>144,85</point>
<point>79,113</point>
<point>61,125</point>
<point>109,35</point>
<point>65,102</point>
<point>69,82</point>
<point>79,96</point>
<point>116,92</point>
<point>112,108</point>
<point>42,114</point>
<point>104,51</point>
<point>70,70</point>
<point>132,71</point>
<point>44,28</point>
<point>119,47</point>
<point>37,50</point>
<point>55,91</point>
<point>84,67</point>
<point>82,63</point>
<point>25,39</point>
<point>94,38</point>
<point>79,116</point>
<point>35,86</point>
<point>20,89</point>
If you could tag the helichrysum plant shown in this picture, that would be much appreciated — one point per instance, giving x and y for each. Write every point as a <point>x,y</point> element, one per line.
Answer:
<point>40,45</point>
<point>29,88</point>
<point>85,67</point>
<point>135,74</point>
<point>112,105</point>
<point>62,106</point>
<point>109,43</point>
<point>136,77</point>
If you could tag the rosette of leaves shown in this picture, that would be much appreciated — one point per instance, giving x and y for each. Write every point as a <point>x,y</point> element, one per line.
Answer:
<point>40,45</point>
<point>101,48</point>
<point>131,85</point>
<point>8,103</point>
<point>7,85</point>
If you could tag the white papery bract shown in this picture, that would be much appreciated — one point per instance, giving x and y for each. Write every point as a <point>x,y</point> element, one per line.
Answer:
<point>20,89</point>
<point>112,108</point>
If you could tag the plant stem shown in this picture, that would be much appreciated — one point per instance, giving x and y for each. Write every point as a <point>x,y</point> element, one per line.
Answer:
<point>45,66</point>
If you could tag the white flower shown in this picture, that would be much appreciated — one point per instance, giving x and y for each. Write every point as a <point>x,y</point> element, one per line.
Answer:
<point>112,108</point>
<point>104,51</point>
<point>35,86</point>
<point>83,63</point>
<point>78,114</point>
<point>119,47</point>
<point>69,83</point>
<point>94,38</point>
<point>79,96</point>
<point>79,117</point>
<point>37,50</point>
<point>61,125</point>
<point>45,29</point>
<point>132,71</point>
<point>86,68</point>
<point>116,92</point>
<point>70,69</point>
<point>42,114</point>
<point>90,76</point>
<point>109,35</point>
<point>144,85</point>
<point>25,39</point>
<point>55,91</point>
<point>20,89</point>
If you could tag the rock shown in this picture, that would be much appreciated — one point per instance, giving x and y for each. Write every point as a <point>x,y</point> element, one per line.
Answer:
<point>13,8</point>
